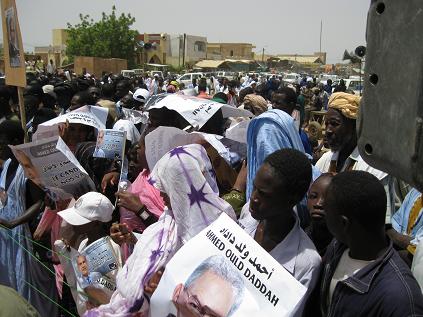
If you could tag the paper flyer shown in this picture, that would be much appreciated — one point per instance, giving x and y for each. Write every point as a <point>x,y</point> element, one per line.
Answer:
<point>223,272</point>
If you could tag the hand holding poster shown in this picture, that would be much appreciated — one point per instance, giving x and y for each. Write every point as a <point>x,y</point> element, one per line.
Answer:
<point>223,272</point>
<point>96,266</point>
<point>110,144</point>
<point>51,165</point>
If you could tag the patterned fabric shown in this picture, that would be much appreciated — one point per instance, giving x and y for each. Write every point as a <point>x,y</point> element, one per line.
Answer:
<point>185,174</point>
<point>17,266</point>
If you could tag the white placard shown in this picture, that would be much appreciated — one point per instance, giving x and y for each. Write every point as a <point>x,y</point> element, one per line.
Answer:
<point>93,116</point>
<point>222,271</point>
<point>198,111</point>
<point>50,164</point>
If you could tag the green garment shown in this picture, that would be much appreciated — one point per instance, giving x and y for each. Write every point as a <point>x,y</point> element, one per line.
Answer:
<point>13,305</point>
<point>236,199</point>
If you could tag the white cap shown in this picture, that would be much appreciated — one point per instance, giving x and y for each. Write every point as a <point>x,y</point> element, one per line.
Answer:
<point>141,95</point>
<point>89,207</point>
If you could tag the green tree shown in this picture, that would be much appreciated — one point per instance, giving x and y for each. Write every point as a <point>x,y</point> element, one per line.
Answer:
<point>111,37</point>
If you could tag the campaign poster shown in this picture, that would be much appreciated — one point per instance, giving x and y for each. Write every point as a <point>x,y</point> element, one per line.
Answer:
<point>12,43</point>
<point>223,272</point>
<point>93,116</point>
<point>110,144</point>
<point>52,166</point>
<point>198,111</point>
<point>96,266</point>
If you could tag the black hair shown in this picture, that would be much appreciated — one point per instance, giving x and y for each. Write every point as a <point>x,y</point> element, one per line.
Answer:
<point>293,169</point>
<point>85,98</point>
<point>284,98</point>
<point>360,196</point>
<point>108,91</point>
<point>202,85</point>
<point>13,130</point>
<point>244,92</point>
<point>222,96</point>
<point>42,115</point>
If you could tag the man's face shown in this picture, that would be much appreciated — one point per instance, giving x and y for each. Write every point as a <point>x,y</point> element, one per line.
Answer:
<point>338,131</point>
<point>95,92</point>
<point>209,295</point>
<point>100,138</point>
<point>336,223</point>
<point>121,90</point>
<point>75,103</point>
<point>266,200</point>
<point>315,199</point>
<point>82,265</point>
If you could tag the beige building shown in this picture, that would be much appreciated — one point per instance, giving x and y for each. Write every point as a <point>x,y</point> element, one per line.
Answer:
<point>171,49</point>
<point>57,51</point>
<point>221,51</point>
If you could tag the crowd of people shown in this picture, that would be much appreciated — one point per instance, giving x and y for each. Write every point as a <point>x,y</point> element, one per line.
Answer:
<point>326,216</point>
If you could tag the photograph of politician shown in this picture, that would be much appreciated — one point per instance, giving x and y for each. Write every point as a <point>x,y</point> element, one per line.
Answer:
<point>214,289</point>
<point>12,35</point>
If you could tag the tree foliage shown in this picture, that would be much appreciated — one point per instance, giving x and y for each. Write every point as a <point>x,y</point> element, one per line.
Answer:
<point>111,37</point>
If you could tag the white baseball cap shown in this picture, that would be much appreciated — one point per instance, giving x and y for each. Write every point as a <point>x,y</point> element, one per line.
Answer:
<point>141,95</point>
<point>89,207</point>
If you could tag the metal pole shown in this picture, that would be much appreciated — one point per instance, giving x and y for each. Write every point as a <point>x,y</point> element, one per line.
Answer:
<point>262,56</point>
<point>321,28</point>
<point>183,52</point>
<point>360,78</point>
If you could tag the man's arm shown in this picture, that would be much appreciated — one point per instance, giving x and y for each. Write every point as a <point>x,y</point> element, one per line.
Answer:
<point>34,199</point>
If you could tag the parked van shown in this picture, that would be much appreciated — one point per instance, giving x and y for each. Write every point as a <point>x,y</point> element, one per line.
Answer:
<point>186,79</point>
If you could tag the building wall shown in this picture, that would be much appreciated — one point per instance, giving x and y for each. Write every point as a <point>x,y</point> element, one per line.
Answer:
<point>60,37</point>
<point>96,65</point>
<point>230,50</point>
<point>169,49</point>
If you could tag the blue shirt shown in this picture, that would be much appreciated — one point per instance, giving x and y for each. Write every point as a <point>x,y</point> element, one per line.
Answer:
<point>401,217</point>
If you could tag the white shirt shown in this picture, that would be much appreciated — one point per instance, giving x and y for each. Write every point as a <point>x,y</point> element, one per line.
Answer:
<point>360,165</point>
<point>347,267</point>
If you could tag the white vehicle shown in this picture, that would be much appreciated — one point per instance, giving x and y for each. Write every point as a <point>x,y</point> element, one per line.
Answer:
<point>127,73</point>
<point>291,78</point>
<point>157,72</point>
<point>138,71</point>
<point>324,79</point>
<point>354,85</point>
<point>228,75</point>
<point>186,79</point>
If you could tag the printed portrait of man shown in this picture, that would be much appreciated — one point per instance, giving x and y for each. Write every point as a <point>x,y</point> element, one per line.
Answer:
<point>98,151</point>
<point>215,289</point>
<point>12,35</point>
<point>86,277</point>
<point>29,168</point>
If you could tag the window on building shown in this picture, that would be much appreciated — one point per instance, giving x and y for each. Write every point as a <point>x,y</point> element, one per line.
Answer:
<point>199,46</point>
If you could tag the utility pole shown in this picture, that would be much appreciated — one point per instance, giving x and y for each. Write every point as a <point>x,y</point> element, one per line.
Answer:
<point>321,28</point>
<point>183,50</point>
<point>262,56</point>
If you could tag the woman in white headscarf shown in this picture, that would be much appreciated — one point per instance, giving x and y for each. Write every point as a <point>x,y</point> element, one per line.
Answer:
<point>186,180</point>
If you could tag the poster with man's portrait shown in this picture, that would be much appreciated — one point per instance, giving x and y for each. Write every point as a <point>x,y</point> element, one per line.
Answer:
<point>14,60</point>
<point>223,272</point>
<point>12,36</point>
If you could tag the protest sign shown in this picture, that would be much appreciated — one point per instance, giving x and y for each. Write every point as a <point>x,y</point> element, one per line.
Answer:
<point>14,60</point>
<point>222,271</point>
<point>96,266</point>
<point>44,132</point>
<point>51,165</point>
<point>238,132</point>
<point>135,116</point>
<point>93,116</point>
<point>198,111</point>
<point>110,144</point>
